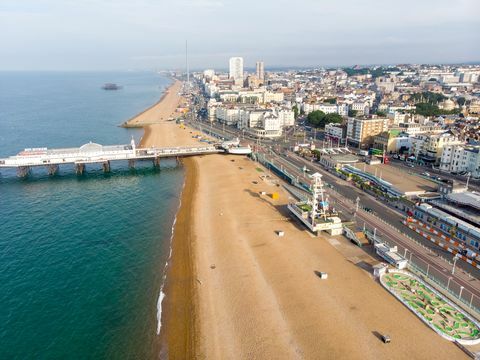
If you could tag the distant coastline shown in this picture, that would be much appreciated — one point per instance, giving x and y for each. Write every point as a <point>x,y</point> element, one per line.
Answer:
<point>136,120</point>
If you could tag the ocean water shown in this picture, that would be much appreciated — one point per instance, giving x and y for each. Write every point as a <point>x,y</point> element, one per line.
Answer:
<point>81,258</point>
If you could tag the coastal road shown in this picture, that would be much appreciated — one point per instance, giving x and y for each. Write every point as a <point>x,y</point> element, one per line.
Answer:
<point>388,227</point>
<point>389,214</point>
<point>405,245</point>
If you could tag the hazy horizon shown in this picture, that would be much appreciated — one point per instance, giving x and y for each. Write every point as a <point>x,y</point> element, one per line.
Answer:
<point>119,35</point>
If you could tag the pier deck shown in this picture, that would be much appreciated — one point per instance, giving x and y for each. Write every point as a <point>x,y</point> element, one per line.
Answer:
<point>93,153</point>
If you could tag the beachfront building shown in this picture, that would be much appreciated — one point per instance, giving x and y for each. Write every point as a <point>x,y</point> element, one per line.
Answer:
<point>227,115</point>
<point>392,141</point>
<point>236,70</point>
<point>361,132</point>
<point>340,109</point>
<point>429,147</point>
<point>335,132</point>
<point>286,116</point>
<point>459,158</point>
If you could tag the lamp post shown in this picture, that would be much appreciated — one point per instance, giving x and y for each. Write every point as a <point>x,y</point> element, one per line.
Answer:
<point>448,283</point>
<point>460,294</point>
<point>455,258</point>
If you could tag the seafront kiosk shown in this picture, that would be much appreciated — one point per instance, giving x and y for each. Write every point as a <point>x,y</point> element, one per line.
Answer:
<point>315,212</point>
<point>391,255</point>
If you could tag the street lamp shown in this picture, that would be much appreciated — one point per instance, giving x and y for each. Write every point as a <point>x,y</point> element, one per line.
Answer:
<point>455,258</point>
<point>448,283</point>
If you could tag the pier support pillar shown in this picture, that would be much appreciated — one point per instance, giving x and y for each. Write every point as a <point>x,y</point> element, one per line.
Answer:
<point>156,161</point>
<point>106,166</point>
<point>131,164</point>
<point>79,169</point>
<point>52,169</point>
<point>23,171</point>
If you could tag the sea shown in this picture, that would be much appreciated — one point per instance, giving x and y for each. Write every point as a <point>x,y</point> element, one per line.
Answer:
<point>82,258</point>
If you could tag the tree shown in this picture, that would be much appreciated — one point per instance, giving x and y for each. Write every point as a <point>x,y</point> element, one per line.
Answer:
<point>461,101</point>
<point>352,113</point>
<point>332,118</point>
<point>330,101</point>
<point>428,109</point>
<point>295,111</point>
<point>381,113</point>
<point>320,119</point>
<point>316,117</point>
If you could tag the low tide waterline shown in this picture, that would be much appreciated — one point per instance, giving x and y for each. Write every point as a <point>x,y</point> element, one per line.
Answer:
<point>82,259</point>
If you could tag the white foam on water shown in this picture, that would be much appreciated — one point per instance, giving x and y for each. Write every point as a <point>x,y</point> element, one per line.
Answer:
<point>162,295</point>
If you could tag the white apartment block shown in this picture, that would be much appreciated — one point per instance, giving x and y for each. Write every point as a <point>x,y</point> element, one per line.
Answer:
<point>227,116</point>
<point>230,96</point>
<point>461,158</point>
<point>361,108</point>
<point>341,109</point>
<point>429,147</point>
<point>270,96</point>
<point>414,129</point>
<point>260,67</point>
<point>286,117</point>
<point>236,70</point>
<point>334,131</point>
<point>261,123</point>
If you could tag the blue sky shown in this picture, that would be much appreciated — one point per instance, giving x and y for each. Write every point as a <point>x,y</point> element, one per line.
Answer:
<point>150,34</point>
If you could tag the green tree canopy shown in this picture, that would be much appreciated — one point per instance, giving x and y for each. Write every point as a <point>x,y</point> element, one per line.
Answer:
<point>428,109</point>
<point>295,111</point>
<point>320,119</point>
<point>352,113</point>
<point>330,101</point>
<point>428,97</point>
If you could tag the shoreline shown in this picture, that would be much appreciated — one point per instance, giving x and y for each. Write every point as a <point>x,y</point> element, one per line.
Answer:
<point>175,311</point>
<point>178,333</point>
<point>128,124</point>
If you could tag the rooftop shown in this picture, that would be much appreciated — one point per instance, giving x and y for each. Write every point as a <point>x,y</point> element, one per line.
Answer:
<point>467,198</point>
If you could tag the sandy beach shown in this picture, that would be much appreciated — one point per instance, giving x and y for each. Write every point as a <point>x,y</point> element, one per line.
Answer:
<point>262,299</point>
<point>235,290</point>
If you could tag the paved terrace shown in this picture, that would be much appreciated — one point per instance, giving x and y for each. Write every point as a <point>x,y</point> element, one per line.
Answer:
<point>400,179</point>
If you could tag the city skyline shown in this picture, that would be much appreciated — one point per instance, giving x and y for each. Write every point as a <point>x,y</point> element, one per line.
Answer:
<point>59,35</point>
